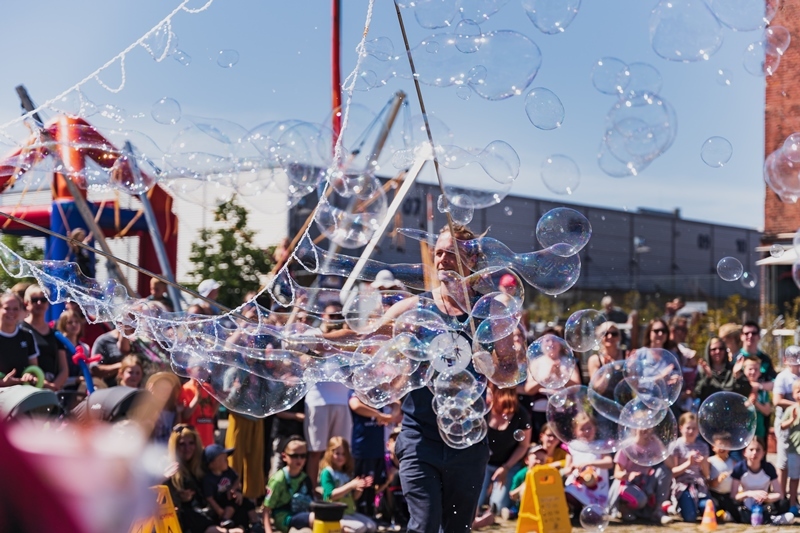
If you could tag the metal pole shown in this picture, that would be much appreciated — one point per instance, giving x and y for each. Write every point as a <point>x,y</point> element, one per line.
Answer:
<point>399,97</point>
<point>155,235</point>
<point>336,73</point>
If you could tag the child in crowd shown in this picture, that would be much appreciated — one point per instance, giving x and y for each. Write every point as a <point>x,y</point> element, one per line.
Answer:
<point>689,463</point>
<point>791,424</point>
<point>720,481</point>
<point>639,490</point>
<point>537,455</point>
<point>223,491</point>
<point>338,484</point>
<point>556,455</point>
<point>199,409</point>
<point>393,507</point>
<point>754,484</point>
<point>289,490</point>
<point>783,399</point>
<point>587,478</point>
<point>758,396</point>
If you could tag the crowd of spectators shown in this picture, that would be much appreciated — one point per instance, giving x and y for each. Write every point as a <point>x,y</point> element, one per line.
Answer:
<point>239,473</point>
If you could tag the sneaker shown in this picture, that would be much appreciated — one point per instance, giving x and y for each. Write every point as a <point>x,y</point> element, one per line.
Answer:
<point>783,519</point>
<point>665,520</point>
<point>660,518</point>
<point>727,517</point>
<point>505,513</point>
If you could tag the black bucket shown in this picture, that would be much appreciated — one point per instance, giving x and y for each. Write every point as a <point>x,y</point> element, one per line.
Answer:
<point>328,511</point>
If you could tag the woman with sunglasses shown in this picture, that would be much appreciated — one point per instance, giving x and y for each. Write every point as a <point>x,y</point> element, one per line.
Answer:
<point>657,335</point>
<point>715,372</point>
<point>186,451</point>
<point>609,336</point>
<point>52,355</point>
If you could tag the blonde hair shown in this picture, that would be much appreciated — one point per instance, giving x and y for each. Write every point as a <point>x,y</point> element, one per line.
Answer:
<point>686,418</point>
<point>581,418</point>
<point>127,362</point>
<point>31,290</point>
<point>194,467</point>
<point>327,459</point>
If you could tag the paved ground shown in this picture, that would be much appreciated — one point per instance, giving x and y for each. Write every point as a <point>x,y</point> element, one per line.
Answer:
<point>618,527</point>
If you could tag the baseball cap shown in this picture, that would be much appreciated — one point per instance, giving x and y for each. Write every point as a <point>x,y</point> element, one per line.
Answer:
<point>206,286</point>
<point>535,448</point>
<point>507,280</point>
<point>386,280</point>
<point>215,450</point>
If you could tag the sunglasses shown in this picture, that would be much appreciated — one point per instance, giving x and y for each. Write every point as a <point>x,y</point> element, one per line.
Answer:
<point>659,331</point>
<point>187,443</point>
<point>612,334</point>
<point>296,455</point>
<point>717,349</point>
<point>181,427</point>
<point>38,300</point>
<point>750,333</point>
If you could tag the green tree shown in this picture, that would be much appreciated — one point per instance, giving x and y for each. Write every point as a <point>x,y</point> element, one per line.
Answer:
<point>228,255</point>
<point>24,249</point>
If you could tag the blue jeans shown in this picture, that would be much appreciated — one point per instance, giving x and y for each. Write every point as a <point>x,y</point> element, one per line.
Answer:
<point>689,511</point>
<point>499,497</point>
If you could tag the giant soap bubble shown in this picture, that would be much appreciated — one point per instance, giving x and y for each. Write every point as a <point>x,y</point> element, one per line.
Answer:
<point>575,421</point>
<point>728,420</point>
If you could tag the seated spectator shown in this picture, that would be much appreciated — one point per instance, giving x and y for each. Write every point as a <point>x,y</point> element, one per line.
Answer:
<point>52,353</point>
<point>689,463</point>
<point>555,454</point>
<point>223,491</point>
<point>587,472</point>
<point>638,490</point>
<point>537,455</point>
<point>18,350</point>
<point>289,491</point>
<point>338,484</point>
<point>720,481</point>
<point>131,372</point>
<point>185,485</point>
<point>754,484</point>
<point>199,409</point>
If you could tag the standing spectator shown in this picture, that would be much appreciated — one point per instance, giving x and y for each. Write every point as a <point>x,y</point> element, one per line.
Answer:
<point>18,350</point>
<point>751,336</point>
<point>614,314</point>
<point>679,329</point>
<point>509,439</point>
<point>368,448</point>
<point>199,409</point>
<point>113,346</point>
<point>783,399</point>
<point>287,423</point>
<point>790,423</point>
<point>715,373</point>
<point>671,309</point>
<point>71,325</point>
<point>52,353</point>
<point>131,372</point>
<point>165,387</point>
<point>657,335</point>
<point>327,408</point>
<point>208,288</point>
<point>731,335</point>
<point>158,293</point>
<point>759,397</point>
<point>245,435</point>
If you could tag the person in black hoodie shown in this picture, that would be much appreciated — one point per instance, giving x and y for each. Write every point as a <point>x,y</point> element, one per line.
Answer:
<point>715,373</point>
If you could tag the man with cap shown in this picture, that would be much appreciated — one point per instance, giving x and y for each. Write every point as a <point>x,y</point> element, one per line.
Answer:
<point>208,288</point>
<point>223,491</point>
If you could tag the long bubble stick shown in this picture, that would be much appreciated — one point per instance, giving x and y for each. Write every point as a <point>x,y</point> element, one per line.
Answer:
<point>376,237</point>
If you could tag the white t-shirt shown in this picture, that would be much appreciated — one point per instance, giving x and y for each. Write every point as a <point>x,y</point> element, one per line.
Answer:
<point>327,393</point>
<point>783,386</point>
<point>718,466</point>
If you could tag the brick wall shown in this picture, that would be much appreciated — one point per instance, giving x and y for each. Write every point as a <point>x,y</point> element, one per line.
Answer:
<point>781,118</point>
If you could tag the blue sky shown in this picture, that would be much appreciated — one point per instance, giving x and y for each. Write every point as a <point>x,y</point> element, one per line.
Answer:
<point>283,73</point>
